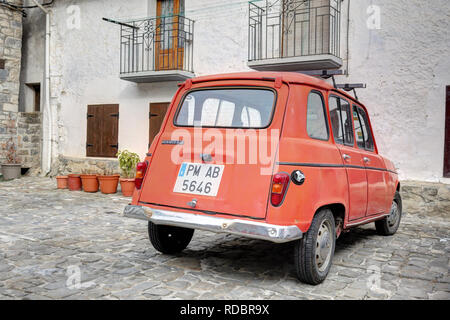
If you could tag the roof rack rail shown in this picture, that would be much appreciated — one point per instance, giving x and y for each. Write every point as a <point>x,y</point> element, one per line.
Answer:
<point>324,74</point>
<point>351,87</point>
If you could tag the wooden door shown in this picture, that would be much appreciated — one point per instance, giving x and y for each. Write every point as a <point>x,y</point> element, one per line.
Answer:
<point>102,130</point>
<point>157,114</point>
<point>447,135</point>
<point>169,50</point>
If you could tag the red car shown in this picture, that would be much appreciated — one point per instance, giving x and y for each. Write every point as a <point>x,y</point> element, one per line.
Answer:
<point>267,155</point>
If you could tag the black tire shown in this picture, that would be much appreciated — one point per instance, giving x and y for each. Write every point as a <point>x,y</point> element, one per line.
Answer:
<point>168,239</point>
<point>307,259</point>
<point>389,225</point>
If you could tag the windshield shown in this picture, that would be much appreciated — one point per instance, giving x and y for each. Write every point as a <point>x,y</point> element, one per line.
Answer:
<point>227,108</point>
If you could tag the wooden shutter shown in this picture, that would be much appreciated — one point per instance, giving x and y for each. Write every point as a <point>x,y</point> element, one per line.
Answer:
<point>157,114</point>
<point>102,130</point>
<point>447,135</point>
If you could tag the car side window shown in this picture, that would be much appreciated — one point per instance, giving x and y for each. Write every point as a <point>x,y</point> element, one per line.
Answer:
<point>347,122</point>
<point>341,121</point>
<point>364,136</point>
<point>316,120</point>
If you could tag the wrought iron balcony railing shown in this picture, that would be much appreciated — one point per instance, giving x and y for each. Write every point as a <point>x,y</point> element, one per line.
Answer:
<point>283,29</point>
<point>150,45</point>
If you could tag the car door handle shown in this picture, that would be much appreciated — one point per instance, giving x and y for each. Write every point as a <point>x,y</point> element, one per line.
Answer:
<point>366,160</point>
<point>346,156</point>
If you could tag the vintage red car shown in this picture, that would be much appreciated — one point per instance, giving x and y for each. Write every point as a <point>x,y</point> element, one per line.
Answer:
<point>277,156</point>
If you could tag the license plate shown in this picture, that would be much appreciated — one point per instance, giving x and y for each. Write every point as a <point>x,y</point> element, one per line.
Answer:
<point>199,178</point>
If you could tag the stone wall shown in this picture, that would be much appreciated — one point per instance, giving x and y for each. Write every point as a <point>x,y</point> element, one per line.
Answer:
<point>67,165</point>
<point>25,129</point>
<point>8,130</point>
<point>29,140</point>
<point>426,199</point>
<point>10,54</point>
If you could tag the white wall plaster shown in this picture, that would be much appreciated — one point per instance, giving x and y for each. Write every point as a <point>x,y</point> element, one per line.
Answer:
<point>405,65</point>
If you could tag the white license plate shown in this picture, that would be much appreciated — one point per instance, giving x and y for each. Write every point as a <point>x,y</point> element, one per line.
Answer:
<point>199,178</point>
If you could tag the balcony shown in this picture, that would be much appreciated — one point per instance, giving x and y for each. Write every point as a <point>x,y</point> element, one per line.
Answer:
<point>157,49</point>
<point>294,35</point>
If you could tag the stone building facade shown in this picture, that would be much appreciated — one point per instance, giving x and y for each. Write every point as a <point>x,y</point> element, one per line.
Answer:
<point>10,56</point>
<point>23,127</point>
<point>25,130</point>
<point>398,48</point>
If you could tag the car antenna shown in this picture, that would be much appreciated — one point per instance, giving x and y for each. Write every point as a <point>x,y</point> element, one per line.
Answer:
<point>351,87</point>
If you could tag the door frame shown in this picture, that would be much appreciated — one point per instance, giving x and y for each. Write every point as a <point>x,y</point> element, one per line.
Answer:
<point>173,57</point>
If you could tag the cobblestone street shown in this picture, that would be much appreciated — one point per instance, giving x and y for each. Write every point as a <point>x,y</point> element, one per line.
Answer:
<point>49,238</point>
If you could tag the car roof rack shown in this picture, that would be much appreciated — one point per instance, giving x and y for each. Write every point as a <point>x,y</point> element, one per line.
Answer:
<point>351,87</point>
<point>324,74</point>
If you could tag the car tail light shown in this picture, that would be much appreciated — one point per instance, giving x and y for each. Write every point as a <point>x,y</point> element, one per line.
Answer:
<point>280,183</point>
<point>141,168</point>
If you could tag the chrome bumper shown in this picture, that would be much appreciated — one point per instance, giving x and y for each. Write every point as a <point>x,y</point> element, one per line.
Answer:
<point>245,228</point>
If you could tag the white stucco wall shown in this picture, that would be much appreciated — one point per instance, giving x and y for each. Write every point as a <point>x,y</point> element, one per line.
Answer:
<point>405,65</point>
<point>33,52</point>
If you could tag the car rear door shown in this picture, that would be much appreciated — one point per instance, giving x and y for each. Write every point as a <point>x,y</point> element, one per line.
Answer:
<point>214,169</point>
<point>341,121</point>
<point>377,200</point>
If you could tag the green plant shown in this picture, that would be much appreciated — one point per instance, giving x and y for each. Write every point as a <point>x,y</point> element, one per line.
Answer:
<point>127,162</point>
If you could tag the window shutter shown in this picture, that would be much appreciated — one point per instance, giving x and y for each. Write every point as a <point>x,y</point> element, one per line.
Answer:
<point>156,115</point>
<point>110,130</point>
<point>93,140</point>
<point>102,130</point>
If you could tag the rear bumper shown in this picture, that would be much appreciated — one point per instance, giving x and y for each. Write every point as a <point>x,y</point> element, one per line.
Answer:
<point>245,228</point>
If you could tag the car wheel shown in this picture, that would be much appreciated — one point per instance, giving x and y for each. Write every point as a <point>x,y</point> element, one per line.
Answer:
<point>389,225</point>
<point>168,239</point>
<point>314,252</point>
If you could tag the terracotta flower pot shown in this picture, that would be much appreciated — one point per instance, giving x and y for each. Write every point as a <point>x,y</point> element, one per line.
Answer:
<point>61,182</point>
<point>108,184</point>
<point>11,171</point>
<point>90,182</point>
<point>127,186</point>
<point>74,182</point>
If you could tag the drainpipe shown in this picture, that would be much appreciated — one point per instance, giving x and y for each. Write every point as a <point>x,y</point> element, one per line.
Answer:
<point>47,121</point>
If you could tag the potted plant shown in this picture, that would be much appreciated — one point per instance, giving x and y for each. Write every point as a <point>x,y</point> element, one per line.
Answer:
<point>89,181</point>
<point>127,163</point>
<point>108,181</point>
<point>12,168</point>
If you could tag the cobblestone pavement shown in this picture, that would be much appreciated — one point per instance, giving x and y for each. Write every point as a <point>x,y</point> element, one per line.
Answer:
<point>50,238</point>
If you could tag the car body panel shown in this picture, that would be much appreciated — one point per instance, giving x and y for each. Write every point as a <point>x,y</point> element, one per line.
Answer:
<point>364,190</point>
<point>236,183</point>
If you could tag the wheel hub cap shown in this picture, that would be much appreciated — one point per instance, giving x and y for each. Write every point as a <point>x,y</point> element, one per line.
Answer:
<point>393,215</point>
<point>323,246</point>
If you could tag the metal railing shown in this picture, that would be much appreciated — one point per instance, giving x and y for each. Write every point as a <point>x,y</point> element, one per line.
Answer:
<point>293,28</point>
<point>157,44</point>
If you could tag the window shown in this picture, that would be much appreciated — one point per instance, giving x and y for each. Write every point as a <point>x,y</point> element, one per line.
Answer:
<point>36,90</point>
<point>102,130</point>
<point>364,137</point>
<point>316,121</point>
<point>341,122</point>
<point>227,108</point>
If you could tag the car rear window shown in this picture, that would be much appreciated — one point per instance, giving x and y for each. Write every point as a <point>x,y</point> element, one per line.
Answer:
<point>227,108</point>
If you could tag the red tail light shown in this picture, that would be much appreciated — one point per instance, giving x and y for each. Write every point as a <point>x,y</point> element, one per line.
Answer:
<point>141,168</point>
<point>280,182</point>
